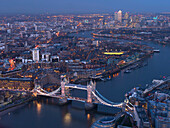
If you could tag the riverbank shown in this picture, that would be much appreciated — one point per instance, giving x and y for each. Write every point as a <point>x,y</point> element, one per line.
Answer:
<point>136,61</point>
<point>130,38</point>
<point>116,70</point>
<point>12,106</point>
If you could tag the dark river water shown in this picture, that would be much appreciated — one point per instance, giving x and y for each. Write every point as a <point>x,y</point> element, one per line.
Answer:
<point>46,114</point>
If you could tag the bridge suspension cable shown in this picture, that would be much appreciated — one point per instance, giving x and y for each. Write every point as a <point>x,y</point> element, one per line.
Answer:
<point>44,92</point>
<point>104,97</point>
<point>56,91</point>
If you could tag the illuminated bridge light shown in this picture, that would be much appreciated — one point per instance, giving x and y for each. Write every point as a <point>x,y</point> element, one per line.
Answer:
<point>113,53</point>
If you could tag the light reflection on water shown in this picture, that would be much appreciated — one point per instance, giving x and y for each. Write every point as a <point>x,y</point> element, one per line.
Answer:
<point>88,116</point>
<point>39,107</point>
<point>67,119</point>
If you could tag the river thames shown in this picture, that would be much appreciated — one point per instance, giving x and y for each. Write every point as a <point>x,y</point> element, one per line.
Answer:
<point>45,113</point>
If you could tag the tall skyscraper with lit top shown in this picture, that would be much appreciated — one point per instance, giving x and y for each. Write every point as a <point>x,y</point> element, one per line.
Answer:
<point>118,16</point>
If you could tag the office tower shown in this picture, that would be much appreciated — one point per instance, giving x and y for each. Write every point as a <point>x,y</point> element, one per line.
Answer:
<point>6,45</point>
<point>119,16</point>
<point>35,54</point>
<point>35,26</point>
<point>126,16</point>
<point>116,16</point>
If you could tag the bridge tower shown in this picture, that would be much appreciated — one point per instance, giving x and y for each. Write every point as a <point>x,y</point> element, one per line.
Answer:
<point>91,87</point>
<point>89,104</point>
<point>64,82</point>
<point>89,93</point>
<point>63,99</point>
<point>63,88</point>
<point>93,84</point>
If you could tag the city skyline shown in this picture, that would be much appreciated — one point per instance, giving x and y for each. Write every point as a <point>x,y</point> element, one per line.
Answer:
<point>75,6</point>
<point>88,64</point>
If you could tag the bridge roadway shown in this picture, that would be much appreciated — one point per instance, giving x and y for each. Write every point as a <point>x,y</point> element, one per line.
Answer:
<point>77,99</point>
<point>58,96</point>
<point>81,87</point>
<point>68,98</point>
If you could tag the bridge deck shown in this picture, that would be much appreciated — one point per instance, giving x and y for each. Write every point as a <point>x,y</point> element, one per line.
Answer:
<point>82,87</point>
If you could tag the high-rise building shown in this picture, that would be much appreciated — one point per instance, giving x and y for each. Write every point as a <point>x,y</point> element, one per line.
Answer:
<point>35,26</point>
<point>116,16</point>
<point>126,16</point>
<point>6,45</point>
<point>119,16</point>
<point>35,54</point>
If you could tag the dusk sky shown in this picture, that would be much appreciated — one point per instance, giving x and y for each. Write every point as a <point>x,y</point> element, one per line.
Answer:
<point>82,6</point>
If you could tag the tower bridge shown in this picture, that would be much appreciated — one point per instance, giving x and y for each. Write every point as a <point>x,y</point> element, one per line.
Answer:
<point>93,96</point>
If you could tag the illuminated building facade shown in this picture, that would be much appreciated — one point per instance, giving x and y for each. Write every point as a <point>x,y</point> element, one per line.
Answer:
<point>119,16</point>
<point>35,54</point>
<point>16,83</point>
<point>126,16</point>
<point>116,16</point>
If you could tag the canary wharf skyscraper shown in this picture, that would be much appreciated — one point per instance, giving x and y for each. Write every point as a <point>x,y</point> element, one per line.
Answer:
<point>118,16</point>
